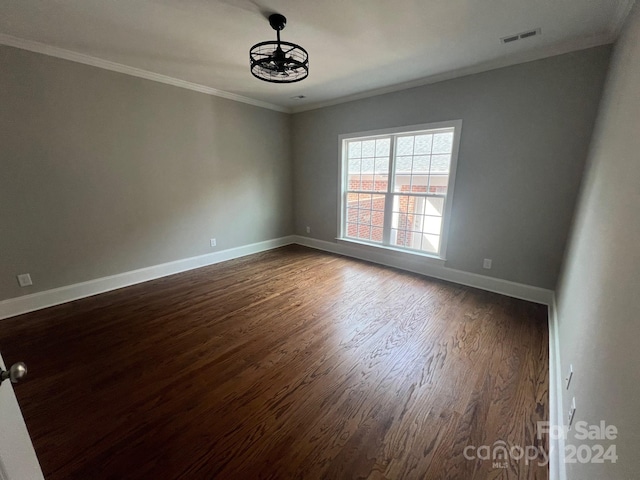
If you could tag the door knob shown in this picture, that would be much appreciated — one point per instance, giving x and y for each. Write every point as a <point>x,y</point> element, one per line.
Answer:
<point>16,373</point>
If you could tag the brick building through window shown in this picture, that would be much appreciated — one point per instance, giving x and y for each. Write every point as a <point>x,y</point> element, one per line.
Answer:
<point>395,188</point>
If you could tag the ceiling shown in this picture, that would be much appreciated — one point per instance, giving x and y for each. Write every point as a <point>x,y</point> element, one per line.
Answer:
<point>356,47</point>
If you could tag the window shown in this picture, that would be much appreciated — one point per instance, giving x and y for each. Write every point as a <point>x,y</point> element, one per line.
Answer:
<point>397,187</point>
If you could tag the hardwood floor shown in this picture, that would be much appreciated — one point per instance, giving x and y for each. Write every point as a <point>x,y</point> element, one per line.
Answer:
<point>288,364</point>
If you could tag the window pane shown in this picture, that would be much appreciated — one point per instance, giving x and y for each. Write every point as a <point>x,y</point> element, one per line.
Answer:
<point>431,243</point>
<point>355,149</point>
<point>381,174</point>
<point>354,165</point>
<point>377,218</point>
<point>421,164</point>
<point>364,201</point>
<point>419,183</point>
<point>369,148</point>
<point>382,147</point>
<point>414,223</point>
<point>401,220</point>
<point>394,236</point>
<point>410,240</point>
<point>353,182</point>
<point>364,217</point>
<point>380,183</point>
<point>433,206</point>
<point>402,238</point>
<point>409,206</point>
<point>382,165</point>
<point>440,163</point>
<point>403,165</point>
<point>378,202</point>
<point>405,146</point>
<point>432,225</point>
<point>376,234</point>
<point>364,232</point>
<point>443,142</point>
<point>400,203</point>
<point>402,181</point>
<point>367,165</point>
<point>352,215</point>
<point>352,230</point>
<point>418,205</point>
<point>423,144</point>
<point>438,184</point>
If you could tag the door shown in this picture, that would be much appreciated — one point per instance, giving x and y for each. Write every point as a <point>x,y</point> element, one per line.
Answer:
<point>18,459</point>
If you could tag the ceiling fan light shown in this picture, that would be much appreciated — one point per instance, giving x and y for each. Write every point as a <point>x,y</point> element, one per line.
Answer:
<point>278,61</point>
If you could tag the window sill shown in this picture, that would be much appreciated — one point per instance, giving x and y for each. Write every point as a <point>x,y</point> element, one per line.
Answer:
<point>395,252</point>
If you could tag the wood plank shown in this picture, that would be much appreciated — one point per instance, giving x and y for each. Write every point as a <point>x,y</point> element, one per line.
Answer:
<point>286,364</point>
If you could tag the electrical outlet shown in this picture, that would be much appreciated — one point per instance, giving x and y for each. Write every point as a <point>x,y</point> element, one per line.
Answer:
<point>213,242</point>
<point>25,280</point>
<point>308,229</point>
<point>572,411</point>
<point>567,379</point>
<point>487,263</point>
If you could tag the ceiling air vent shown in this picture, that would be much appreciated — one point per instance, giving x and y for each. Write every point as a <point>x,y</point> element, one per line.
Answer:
<point>510,39</point>
<point>520,36</point>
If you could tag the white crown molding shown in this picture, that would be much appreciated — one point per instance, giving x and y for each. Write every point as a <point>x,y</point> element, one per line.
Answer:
<point>616,25</point>
<point>430,268</point>
<point>72,56</point>
<point>504,61</point>
<point>56,296</point>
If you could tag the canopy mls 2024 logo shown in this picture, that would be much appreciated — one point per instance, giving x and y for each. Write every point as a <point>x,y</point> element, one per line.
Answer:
<point>586,446</point>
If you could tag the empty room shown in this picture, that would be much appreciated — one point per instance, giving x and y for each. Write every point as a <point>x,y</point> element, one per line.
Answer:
<point>267,239</point>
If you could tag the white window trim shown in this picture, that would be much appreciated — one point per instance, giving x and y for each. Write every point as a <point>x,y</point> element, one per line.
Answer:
<point>457,126</point>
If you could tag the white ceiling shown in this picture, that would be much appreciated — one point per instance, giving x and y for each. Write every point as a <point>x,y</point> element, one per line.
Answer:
<point>356,47</point>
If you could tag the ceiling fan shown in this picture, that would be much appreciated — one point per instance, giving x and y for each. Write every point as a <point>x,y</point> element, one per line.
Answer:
<point>279,61</point>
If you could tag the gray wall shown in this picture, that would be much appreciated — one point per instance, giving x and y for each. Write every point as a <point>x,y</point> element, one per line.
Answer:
<point>524,142</point>
<point>599,292</point>
<point>102,173</point>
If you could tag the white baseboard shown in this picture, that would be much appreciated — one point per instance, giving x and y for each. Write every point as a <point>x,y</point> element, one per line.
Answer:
<point>428,267</point>
<point>56,296</point>
<point>431,268</point>
<point>557,466</point>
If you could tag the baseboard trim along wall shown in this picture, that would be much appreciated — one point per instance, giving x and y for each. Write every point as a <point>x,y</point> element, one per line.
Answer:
<point>28,303</point>
<point>429,268</point>
<point>557,467</point>
<point>56,296</point>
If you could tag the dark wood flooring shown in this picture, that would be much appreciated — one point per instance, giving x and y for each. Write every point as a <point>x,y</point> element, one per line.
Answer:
<point>287,364</point>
